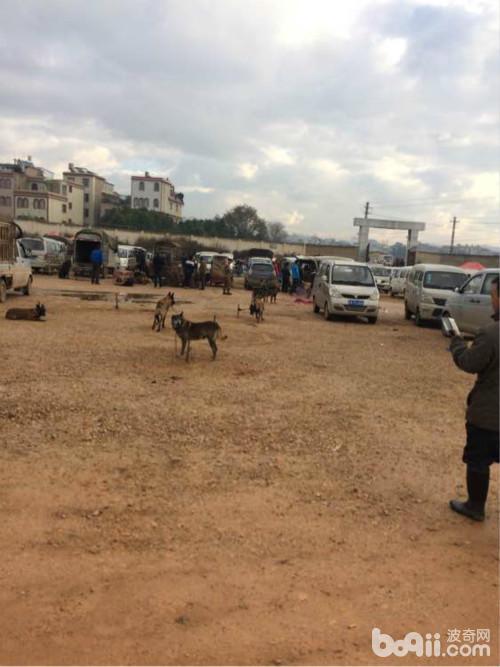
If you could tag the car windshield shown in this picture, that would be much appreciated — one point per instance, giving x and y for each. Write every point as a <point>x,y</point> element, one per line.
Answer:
<point>380,271</point>
<point>443,280</point>
<point>32,244</point>
<point>352,275</point>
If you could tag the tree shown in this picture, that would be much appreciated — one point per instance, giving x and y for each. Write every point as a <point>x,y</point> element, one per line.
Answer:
<point>243,222</point>
<point>277,232</point>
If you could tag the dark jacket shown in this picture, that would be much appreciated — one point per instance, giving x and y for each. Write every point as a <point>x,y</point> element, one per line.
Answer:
<point>481,358</point>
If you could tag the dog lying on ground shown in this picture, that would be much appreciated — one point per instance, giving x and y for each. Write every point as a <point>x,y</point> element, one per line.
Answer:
<point>162,308</point>
<point>188,331</point>
<point>257,306</point>
<point>33,314</point>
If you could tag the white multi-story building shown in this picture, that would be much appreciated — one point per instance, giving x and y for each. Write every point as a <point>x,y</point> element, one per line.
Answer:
<point>155,193</point>
<point>95,189</point>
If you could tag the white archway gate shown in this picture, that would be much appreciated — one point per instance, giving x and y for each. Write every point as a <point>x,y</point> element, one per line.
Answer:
<point>364,224</point>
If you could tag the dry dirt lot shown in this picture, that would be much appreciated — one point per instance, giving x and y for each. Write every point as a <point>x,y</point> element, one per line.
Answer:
<point>269,508</point>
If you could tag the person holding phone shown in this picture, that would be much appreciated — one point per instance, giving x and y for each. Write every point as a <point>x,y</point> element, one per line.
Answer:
<point>482,443</point>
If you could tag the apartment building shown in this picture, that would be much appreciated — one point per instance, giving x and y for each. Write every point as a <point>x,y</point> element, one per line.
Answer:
<point>98,193</point>
<point>72,208</point>
<point>25,193</point>
<point>155,193</point>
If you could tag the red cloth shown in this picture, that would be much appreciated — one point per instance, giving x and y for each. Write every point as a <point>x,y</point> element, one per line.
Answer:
<point>473,266</point>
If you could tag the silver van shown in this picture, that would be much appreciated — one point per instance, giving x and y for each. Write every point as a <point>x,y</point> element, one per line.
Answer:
<point>428,288</point>
<point>398,280</point>
<point>470,305</point>
<point>45,255</point>
<point>345,288</point>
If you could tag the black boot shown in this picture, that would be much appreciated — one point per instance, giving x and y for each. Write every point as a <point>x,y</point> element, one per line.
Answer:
<point>477,488</point>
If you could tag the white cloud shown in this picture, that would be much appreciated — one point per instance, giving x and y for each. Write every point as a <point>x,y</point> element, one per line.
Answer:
<point>248,170</point>
<point>276,155</point>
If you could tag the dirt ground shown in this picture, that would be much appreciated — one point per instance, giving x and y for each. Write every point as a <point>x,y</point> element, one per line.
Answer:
<point>269,508</point>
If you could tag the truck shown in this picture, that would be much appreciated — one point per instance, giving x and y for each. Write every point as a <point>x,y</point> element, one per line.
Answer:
<point>15,268</point>
<point>87,240</point>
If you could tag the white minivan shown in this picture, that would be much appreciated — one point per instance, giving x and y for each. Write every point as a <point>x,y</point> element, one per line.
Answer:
<point>345,288</point>
<point>470,305</point>
<point>398,280</point>
<point>428,288</point>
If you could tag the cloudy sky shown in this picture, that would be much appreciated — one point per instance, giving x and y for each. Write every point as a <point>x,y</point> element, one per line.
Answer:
<point>303,109</point>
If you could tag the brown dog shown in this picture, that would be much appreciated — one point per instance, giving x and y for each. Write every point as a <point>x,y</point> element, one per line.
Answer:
<point>162,308</point>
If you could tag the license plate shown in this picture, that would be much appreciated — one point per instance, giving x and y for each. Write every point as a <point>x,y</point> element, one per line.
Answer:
<point>356,303</point>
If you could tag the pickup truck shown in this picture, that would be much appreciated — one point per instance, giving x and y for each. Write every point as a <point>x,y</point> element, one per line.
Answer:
<point>15,268</point>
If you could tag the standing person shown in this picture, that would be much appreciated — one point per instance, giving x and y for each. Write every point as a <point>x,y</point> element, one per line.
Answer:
<point>482,443</point>
<point>157,269</point>
<point>295,272</point>
<point>202,268</point>
<point>285,276</point>
<point>96,259</point>
<point>227,278</point>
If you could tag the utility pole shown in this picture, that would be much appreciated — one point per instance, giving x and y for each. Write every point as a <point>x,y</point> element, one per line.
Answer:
<point>367,209</point>
<point>454,224</point>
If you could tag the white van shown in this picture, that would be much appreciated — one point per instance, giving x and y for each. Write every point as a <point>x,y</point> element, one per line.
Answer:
<point>428,287</point>
<point>382,276</point>
<point>346,288</point>
<point>398,280</point>
<point>127,256</point>
<point>45,254</point>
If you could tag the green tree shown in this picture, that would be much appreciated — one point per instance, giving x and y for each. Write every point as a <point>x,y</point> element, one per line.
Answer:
<point>276,232</point>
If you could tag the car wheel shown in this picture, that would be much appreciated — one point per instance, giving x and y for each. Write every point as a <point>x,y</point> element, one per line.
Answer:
<point>372,320</point>
<point>326,312</point>
<point>407,312</point>
<point>315,306</point>
<point>418,319</point>
<point>3,291</point>
<point>27,288</point>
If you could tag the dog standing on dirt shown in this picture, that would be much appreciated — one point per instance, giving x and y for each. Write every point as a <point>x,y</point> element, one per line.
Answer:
<point>188,331</point>
<point>161,310</point>
<point>257,306</point>
<point>32,314</point>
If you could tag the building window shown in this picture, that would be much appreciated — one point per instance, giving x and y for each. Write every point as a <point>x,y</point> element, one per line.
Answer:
<point>64,189</point>
<point>156,203</point>
<point>3,201</point>
<point>71,188</point>
<point>34,186</point>
<point>5,183</point>
<point>136,202</point>
<point>64,208</point>
<point>22,202</point>
<point>85,182</point>
<point>157,187</point>
<point>86,197</point>
<point>70,206</point>
<point>141,185</point>
<point>86,212</point>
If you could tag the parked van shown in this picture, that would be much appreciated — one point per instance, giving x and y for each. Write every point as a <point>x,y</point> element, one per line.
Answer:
<point>127,256</point>
<point>15,269</point>
<point>428,288</point>
<point>45,255</point>
<point>260,271</point>
<point>382,276</point>
<point>346,288</point>
<point>470,305</point>
<point>398,280</point>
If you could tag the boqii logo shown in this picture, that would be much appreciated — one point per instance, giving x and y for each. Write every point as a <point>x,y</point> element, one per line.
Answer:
<point>459,643</point>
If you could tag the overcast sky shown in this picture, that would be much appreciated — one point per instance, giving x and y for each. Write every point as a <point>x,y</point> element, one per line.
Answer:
<point>303,109</point>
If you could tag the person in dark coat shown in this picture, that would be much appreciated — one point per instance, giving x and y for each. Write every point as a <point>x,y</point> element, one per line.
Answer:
<point>482,444</point>
<point>157,269</point>
<point>285,277</point>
